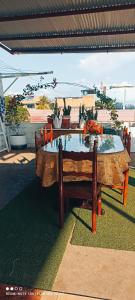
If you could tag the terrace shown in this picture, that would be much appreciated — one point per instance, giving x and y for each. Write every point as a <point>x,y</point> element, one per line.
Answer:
<point>38,260</point>
<point>29,222</point>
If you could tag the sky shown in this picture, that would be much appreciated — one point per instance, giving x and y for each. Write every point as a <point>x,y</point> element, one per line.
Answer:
<point>87,69</point>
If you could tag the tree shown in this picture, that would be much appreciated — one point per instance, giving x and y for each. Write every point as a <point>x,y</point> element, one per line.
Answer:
<point>44,103</point>
<point>105,102</point>
<point>16,114</point>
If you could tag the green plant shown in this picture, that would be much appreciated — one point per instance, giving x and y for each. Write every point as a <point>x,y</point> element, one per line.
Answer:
<point>66,109</point>
<point>108,103</point>
<point>56,111</point>
<point>82,114</point>
<point>44,103</point>
<point>91,114</point>
<point>16,114</point>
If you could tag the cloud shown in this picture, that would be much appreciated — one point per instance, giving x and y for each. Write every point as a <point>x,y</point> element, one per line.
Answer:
<point>105,63</point>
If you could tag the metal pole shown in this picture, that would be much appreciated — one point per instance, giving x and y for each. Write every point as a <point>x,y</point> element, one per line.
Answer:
<point>10,85</point>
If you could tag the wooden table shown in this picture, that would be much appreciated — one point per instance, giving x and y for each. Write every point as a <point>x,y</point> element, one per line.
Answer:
<point>112,159</point>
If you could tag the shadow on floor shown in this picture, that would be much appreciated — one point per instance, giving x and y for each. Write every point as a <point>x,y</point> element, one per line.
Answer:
<point>32,245</point>
<point>14,177</point>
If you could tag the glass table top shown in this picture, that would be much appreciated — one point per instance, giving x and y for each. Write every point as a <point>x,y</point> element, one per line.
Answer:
<point>76,142</point>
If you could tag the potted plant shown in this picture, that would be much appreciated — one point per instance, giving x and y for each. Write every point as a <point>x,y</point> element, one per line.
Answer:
<point>90,114</point>
<point>66,115</point>
<point>50,119</point>
<point>82,116</point>
<point>16,114</point>
<point>57,119</point>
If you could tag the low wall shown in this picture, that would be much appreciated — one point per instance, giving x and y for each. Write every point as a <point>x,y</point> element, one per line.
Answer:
<point>30,128</point>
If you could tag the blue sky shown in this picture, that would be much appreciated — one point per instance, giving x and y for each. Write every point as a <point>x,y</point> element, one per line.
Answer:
<point>87,69</point>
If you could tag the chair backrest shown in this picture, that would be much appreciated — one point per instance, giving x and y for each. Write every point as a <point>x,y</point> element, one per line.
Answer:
<point>78,156</point>
<point>125,131</point>
<point>43,136</point>
<point>127,140</point>
<point>38,140</point>
<point>46,134</point>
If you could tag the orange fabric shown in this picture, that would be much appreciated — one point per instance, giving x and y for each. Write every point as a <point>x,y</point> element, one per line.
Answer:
<point>110,167</point>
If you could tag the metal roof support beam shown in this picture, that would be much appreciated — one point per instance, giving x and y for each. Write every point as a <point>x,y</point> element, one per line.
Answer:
<point>67,12</point>
<point>23,74</point>
<point>73,49</point>
<point>6,48</point>
<point>65,34</point>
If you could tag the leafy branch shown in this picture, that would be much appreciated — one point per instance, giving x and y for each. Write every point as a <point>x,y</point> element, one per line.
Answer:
<point>108,103</point>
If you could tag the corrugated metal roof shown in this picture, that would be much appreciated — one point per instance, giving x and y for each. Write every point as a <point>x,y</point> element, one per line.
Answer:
<point>15,7</point>
<point>95,21</point>
<point>108,41</point>
<point>61,25</point>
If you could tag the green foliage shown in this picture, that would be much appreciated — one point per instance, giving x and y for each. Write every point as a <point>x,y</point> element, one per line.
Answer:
<point>91,114</point>
<point>15,112</point>
<point>108,103</point>
<point>56,110</point>
<point>87,114</point>
<point>82,112</point>
<point>66,109</point>
<point>7,99</point>
<point>44,103</point>
<point>30,89</point>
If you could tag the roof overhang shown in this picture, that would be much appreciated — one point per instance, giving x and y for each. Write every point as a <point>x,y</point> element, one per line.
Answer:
<point>61,26</point>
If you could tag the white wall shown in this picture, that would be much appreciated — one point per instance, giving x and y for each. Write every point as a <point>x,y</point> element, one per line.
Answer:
<point>29,130</point>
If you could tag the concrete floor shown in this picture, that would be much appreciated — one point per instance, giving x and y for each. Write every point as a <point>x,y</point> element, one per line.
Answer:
<point>96,272</point>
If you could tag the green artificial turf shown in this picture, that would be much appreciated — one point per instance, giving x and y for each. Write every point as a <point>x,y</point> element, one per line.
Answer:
<point>31,244</point>
<point>115,229</point>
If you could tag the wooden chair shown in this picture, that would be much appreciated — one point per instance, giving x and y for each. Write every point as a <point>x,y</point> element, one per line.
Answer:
<point>127,140</point>
<point>39,142</point>
<point>43,136</point>
<point>124,186</point>
<point>47,132</point>
<point>88,190</point>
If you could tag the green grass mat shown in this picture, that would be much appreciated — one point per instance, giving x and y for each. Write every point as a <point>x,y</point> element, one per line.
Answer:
<point>32,245</point>
<point>115,229</point>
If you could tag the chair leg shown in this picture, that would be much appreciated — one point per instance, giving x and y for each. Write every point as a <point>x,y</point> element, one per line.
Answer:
<point>125,191</point>
<point>99,206</point>
<point>94,216</point>
<point>61,211</point>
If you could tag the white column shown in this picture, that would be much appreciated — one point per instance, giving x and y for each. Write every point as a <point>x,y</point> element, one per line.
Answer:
<point>2,101</point>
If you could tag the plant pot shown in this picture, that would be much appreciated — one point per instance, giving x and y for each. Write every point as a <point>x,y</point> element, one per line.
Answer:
<point>66,122</point>
<point>18,142</point>
<point>132,130</point>
<point>82,123</point>
<point>57,122</point>
<point>50,120</point>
